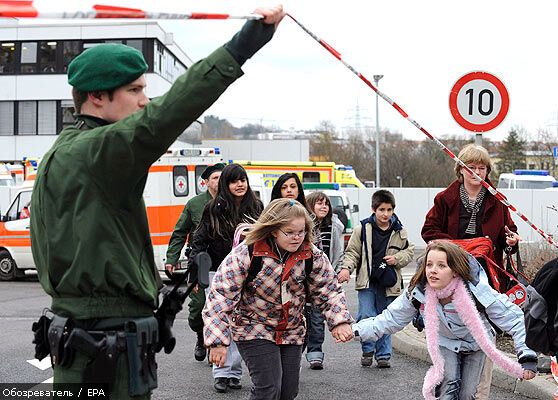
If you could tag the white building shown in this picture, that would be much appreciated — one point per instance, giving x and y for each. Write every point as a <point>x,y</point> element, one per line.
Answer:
<point>35,98</point>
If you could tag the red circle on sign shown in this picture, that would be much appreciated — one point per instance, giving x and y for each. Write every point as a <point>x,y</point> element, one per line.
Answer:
<point>471,76</point>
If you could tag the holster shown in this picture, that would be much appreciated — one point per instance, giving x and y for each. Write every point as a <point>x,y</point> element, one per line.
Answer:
<point>40,336</point>
<point>58,333</point>
<point>103,349</point>
<point>142,336</point>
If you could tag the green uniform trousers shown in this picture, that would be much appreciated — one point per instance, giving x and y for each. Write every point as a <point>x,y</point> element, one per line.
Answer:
<point>73,374</point>
<point>195,307</point>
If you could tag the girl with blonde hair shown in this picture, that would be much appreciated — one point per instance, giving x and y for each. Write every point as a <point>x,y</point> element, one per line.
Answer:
<point>264,315</point>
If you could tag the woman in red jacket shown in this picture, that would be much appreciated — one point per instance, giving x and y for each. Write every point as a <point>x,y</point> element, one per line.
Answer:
<point>467,210</point>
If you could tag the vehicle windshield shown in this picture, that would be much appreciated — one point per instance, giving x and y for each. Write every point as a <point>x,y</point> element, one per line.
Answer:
<point>336,201</point>
<point>7,182</point>
<point>533,184</point>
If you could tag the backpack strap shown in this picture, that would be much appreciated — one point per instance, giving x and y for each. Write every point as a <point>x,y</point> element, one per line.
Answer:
<point>364,243</point>
<point>255,265</point>
<point>308,266</point>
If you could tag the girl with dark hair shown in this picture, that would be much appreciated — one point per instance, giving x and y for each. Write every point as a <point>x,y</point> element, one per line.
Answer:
<point>264,315</point>
<point>235,203</point>
<point>328,237</point>
<point>288,186</point>
<point>458,336</point>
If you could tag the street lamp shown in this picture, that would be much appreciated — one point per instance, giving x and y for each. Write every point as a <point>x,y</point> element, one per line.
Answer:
<point>400,181</point>
<point>376,81</point>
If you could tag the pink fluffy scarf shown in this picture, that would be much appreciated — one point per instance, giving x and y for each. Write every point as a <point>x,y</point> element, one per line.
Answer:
<point>468,313</point>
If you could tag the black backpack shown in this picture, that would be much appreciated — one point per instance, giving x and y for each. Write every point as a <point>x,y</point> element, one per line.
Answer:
<point>541,324</point>
<point>256,266</point>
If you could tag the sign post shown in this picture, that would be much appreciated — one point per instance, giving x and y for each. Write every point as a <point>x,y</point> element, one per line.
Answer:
<point>479,102</point>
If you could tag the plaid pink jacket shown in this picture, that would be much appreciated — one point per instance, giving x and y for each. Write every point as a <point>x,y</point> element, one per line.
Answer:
<point>271,306</point>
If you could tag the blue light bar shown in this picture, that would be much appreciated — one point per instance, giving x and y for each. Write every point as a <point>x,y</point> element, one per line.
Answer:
<point>539,172</point>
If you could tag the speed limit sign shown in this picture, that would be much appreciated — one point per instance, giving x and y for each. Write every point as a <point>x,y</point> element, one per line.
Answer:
<point>479,101</point>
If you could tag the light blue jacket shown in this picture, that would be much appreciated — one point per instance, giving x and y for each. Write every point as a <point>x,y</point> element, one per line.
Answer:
<point>453,334</point>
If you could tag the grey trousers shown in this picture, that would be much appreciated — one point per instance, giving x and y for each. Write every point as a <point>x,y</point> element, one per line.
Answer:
<point>274,369</point>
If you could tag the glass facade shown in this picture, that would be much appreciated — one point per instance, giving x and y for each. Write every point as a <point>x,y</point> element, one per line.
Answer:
<point>49,117</point>
<point>53,56</point>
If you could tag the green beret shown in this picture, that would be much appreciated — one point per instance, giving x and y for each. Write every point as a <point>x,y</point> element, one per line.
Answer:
<point>211,169</point>
<point>105,67</point>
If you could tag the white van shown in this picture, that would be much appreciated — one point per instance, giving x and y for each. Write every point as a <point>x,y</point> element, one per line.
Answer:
<point>526,179</point>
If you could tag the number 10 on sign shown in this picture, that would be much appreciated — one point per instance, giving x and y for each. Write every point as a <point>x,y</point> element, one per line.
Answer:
<point>479,101</point>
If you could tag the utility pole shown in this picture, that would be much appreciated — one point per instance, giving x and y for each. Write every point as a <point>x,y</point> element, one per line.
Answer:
<point>376,81</point>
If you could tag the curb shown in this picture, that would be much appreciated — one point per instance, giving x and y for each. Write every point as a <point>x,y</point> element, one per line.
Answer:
<point>413,343</point>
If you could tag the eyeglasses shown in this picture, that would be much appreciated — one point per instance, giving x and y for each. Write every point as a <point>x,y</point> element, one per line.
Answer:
<point>294,235</point>
<point>480,168</point>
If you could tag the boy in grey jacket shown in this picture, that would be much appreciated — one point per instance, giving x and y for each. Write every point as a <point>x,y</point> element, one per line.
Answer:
<point>379,247</point>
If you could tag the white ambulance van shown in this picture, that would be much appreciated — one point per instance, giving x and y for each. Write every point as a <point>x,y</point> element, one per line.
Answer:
<point>173,180</point>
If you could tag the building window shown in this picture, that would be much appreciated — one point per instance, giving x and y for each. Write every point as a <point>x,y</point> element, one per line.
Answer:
<point>71,51</point>
<point>7,58</point>
<point>28,57</point>
<point>166,64</point>
<point>27,118</point>
<point>47,56</point>
<point>47,118</point>
<point>136,44</point>
<point>7,118</point>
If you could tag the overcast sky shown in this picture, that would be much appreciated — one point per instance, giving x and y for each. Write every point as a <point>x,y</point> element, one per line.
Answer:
<point>421,47</point>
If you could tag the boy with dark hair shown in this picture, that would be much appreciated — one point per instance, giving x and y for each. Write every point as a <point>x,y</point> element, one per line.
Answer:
<point>379,247</point>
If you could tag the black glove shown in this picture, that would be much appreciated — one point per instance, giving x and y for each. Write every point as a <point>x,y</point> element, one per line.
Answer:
<point>529,363</point>
<point>252,37</point>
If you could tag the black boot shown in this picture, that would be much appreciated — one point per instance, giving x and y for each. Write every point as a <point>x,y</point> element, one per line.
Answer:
<point>199,350</point>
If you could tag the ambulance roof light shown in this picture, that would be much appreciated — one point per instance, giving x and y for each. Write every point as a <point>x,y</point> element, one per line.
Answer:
<point>538,172</point>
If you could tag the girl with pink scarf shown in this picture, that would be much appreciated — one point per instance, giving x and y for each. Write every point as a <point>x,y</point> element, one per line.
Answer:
<point>457,334</point>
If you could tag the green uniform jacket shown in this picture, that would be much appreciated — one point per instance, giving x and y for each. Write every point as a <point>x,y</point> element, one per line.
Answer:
<point>187,223</point>
<point>89,230</point>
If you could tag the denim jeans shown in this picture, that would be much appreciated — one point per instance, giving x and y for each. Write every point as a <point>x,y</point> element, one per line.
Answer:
<point>233,364</point>
<point>371,302</point>
<point>315,334</point>
<point>462,372</point>
<point>274,369</point>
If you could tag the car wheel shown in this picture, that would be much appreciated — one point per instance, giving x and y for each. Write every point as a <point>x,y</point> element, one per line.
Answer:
<point>8,268</point>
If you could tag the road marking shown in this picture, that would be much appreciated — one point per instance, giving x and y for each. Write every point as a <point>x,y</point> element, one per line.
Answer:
<point>42,365</point>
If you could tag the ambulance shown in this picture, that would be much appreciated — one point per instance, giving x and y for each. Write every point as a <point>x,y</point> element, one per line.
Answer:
<point>307,171</point>
<point>173,180</point>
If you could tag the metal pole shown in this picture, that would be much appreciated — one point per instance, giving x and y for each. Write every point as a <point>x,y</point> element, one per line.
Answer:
<point>400,181</point>
<point>376,80</point>
<point>478,138</point>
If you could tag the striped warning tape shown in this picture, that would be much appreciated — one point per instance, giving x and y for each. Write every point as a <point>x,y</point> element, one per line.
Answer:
<point>26,9</point>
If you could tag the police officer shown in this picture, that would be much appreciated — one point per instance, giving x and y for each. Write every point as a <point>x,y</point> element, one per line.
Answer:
<point>89,230</point>
<point>186,225</point>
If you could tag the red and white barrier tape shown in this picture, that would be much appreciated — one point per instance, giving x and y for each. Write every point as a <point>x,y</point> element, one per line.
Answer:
<point>26,9</point>
<point>400,110</point>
